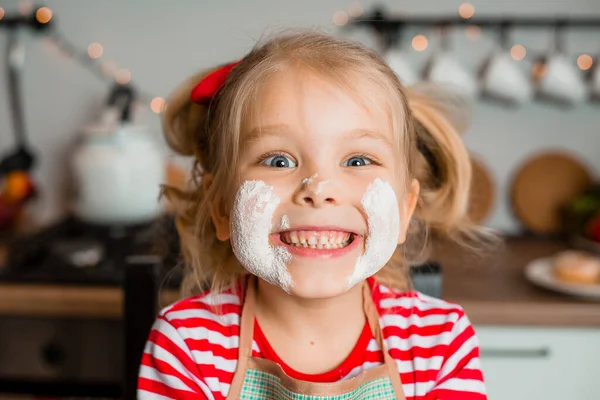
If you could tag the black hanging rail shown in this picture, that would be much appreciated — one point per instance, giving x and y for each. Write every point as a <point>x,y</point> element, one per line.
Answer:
<point>381,20</point>
<point>25,21</point>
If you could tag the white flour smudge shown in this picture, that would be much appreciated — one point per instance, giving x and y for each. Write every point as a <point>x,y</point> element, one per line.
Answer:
<point>251,225</point>
<point>284,225</point>
<point>308,181</point>
<point>383,219</point>
<point>320,186</point>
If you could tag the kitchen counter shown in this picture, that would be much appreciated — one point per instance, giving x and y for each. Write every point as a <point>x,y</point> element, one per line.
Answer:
<point>491,288</point>
<point>494,291</point>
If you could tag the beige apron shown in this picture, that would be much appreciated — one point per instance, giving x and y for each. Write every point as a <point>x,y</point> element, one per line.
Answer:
<point>257,378</point>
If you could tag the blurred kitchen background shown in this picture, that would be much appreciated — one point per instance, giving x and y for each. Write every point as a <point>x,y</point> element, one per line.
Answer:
<point>75,304</point>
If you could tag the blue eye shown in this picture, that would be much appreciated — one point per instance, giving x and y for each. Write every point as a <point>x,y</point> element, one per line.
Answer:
<point>279,162</point>
<point>357,162</point>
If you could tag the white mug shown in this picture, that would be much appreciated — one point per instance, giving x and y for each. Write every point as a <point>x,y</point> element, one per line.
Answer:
<point>561,80</point>
<point>502,79</point>
<point>445,70</point>
<point>398,62</point>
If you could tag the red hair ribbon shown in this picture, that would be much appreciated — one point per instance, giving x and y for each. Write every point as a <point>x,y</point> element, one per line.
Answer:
<point>208,87</point>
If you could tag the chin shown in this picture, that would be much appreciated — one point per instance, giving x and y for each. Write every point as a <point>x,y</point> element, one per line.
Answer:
<point>319,280</point>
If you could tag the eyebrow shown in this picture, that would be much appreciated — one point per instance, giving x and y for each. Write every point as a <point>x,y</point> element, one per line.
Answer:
<point>276,130</point>
<point>268,130</point>
<point>367,133</point>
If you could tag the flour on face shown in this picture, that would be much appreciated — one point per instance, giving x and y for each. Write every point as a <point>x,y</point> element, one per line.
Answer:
<point>251,225</point>
<point>383,219</point>
<point>320,186</point>
<point>308,181</point>
<point>284,225</point>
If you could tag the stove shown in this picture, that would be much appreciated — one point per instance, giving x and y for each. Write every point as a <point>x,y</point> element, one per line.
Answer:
<point>78,253</point>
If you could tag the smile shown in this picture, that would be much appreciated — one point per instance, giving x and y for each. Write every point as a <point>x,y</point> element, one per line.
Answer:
<point>310,242</point>
<point>317,239</point>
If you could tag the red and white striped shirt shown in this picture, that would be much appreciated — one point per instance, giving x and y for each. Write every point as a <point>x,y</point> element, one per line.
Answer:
<point>193,348</point>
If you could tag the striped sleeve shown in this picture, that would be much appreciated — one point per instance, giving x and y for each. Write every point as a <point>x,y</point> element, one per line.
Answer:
<point>460,376</point>
<point>168,370</point>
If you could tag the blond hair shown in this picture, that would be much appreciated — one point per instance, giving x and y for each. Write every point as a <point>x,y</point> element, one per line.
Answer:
<point>211,134</point>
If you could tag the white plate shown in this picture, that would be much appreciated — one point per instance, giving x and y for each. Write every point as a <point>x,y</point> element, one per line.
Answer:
<point>540,273</point>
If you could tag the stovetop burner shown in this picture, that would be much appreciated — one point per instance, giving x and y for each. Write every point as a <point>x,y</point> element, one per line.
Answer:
<point>74,252</point>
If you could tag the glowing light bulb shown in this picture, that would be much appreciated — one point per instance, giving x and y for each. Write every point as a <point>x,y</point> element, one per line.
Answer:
<point>25,7</point>
<point>95,50</point>
<point>355,9</point>
<point>585,62</point>
<point>340,18</point>
<point>518,52</point>
<point>157,105</point>
<point>419,43</point>
<point>123,76</point>
<point>43,15</point>
<point>466,10</point>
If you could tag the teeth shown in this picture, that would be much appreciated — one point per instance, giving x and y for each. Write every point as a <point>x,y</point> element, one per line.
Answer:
<point>317,239</point>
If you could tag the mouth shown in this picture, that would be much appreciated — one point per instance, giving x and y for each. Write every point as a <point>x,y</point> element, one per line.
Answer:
<point>317,242</point>
<point>317,239</point>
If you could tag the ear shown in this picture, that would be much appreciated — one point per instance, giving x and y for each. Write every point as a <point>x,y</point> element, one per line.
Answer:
<point>218,211</point>
<point>408,208</point>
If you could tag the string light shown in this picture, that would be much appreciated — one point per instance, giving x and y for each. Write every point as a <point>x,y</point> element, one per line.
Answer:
<point>95,50</point>
<point>123,76</point>
<point>25,7</point>
<point>43,15</point>
<point>340,18</point>
<point>1,12</point>
<point>518,52</point>
<point>157,105</point>
<point>466,10</point>
<point>355,10</point>
<point>585,62</point>
<point>419,43</point>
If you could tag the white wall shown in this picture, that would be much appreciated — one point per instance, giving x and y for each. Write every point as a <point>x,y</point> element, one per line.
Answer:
<point>163,42</point>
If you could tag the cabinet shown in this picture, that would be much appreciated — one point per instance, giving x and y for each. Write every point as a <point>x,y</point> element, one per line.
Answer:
<point>524,363</point>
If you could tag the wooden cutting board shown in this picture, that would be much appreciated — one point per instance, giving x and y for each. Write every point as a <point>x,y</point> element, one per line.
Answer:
<point>543,185</point>
<point>483,191</point>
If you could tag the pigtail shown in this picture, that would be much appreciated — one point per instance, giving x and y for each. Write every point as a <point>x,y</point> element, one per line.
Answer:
<point>184,122</point>
<point>441,163</point>
<point>185,130</point>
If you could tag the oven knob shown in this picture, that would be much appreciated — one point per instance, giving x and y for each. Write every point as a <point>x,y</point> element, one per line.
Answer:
<point>54,354</point>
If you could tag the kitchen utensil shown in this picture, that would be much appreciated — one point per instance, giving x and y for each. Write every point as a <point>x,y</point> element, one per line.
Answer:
<point>501,78</point>
<point>559,79</point>
<point>540,272</point>
<point>18,186</point>
<point>118,167</point>
<point>483,191</point>
<point>446,70</point>
<point>396,57</point>
<point>543,185</point>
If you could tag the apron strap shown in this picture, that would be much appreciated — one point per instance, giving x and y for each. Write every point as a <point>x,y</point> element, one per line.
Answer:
<point>246,334</point>
<point>373,319</point>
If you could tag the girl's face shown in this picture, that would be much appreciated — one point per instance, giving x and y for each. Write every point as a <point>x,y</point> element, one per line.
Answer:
<point>321,203</point>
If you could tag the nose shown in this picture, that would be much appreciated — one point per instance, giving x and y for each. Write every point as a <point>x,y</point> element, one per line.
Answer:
<point>316,192</point>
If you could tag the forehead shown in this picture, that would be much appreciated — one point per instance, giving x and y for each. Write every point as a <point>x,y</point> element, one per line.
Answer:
<point>316,102</point>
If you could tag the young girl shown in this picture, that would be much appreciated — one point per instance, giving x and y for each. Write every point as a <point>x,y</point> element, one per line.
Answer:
<point>314,165</point>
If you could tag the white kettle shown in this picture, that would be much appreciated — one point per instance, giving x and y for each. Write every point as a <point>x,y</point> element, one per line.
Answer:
<point>118,168</point>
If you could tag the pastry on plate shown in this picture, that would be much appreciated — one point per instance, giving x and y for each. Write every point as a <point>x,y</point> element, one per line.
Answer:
<point>577,267</point>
